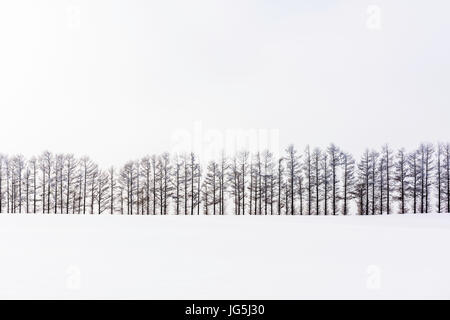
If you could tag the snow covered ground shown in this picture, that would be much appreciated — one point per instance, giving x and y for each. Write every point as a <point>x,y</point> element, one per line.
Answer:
<point>59,256</point>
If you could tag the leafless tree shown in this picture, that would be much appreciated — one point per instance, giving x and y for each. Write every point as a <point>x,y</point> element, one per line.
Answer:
<point>293,168</point>
<point>2,159</point>
<point>439,177</point>
<point>269,182</point>
<point>447,174</point>
<point>326,176</point>
<point>324,182</point>
<point>402,179</point>
<point>386,175</point>
<point>146,169</point>
<point>280,182</point>
<point>349,193</point>
<point>112,190</point>
<point>364,168</point>
<point>334,155</point>
<point>212,187</point>
<point>309,178</point>
<point>414,169</point>
<point>317,178</point>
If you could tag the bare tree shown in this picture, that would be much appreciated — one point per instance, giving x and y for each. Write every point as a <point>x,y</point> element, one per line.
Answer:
<point>137,175</point>
<point>386,175</point>
<point>348,164</point>
<point>364,177</point>
<point>439,177</point>
<point>427,151</point>
<point>326,177</point>
<point>309,178</point>
<point>269,181</point>
<point>292,167</point>
<point>112,190</point>
<point>8,184</point>
<point>280,182</point>
<point>164,182</point>
<point>335,161</point>
<point>93,183</point>
<point>154,168</point>
<point>212,187</point>
<point>126,184</point>
<point>177,196</point>
<point>45,165</point>
<point>33,167</point>
<point>222,181</point>
<point>243,168</point>
<point>317,182</point>
<point>57,182</point>
<point>102,194</point>
<point>19,166</point>
<point>70,167</point>
<point>87,169</point>
<point>186,177</point>
<point>27,179</point>
<point>146,166</point>
<point>2,159</point>
<point>447,174</point>
<point>234,182</point>
<point>324,183</point>
<point>374,181</point>
<point>195,174</point>
<point>402,179</point>
<point>414,169</point>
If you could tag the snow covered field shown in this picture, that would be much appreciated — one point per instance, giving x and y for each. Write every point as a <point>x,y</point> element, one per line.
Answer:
<point>229,257</point>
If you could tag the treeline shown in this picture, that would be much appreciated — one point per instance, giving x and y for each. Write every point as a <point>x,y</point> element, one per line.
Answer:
<point>311,182</point>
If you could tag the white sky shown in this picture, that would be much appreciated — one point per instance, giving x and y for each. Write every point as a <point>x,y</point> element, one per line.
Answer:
<point>118,79</point>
